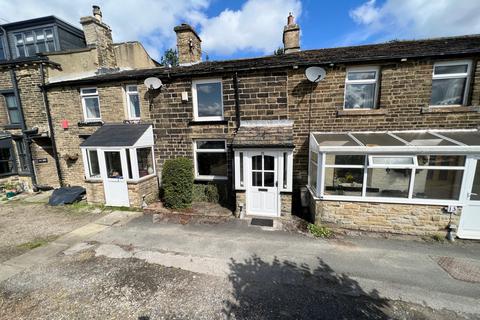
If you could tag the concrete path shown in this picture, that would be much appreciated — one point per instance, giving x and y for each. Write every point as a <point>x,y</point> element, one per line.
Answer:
<point>43,254</point>
<point>400,270</point>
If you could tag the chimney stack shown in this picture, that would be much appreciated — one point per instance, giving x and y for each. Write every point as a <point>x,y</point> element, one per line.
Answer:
<point>99,35</point>
<point>188,45</point>
<point>291,35</point>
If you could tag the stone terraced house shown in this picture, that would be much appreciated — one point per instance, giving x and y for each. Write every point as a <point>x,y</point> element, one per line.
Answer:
<point>382,137</point>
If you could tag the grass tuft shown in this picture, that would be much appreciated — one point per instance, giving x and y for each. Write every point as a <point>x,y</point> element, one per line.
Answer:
<point>320,231</point>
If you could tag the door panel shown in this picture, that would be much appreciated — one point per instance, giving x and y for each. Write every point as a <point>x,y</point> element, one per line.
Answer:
<point>114,178</point>
<point>262,187</point>
<point>469,227</point>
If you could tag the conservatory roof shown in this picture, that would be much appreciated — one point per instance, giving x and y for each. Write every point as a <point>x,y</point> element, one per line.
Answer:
<point>418,141</point>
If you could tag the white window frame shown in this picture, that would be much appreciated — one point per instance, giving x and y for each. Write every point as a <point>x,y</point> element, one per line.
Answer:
<point>371,161</point>
<point>196,117</point>
<point>466,75</point>
<point>128,104</point>
<point>320,194</point>
<point>134,163</point>
<point>87,164</point>
<point>375,81</point>
<point>195,151</point>
<point>90,95</point>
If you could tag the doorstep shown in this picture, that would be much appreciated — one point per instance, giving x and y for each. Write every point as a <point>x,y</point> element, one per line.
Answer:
<point>277,223</point>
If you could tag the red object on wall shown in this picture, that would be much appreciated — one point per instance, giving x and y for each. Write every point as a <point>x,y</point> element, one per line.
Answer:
<point>65,124</point>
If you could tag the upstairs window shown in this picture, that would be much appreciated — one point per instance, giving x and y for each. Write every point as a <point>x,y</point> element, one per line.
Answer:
<point>133,102</point>
<point>2,50</point>
<point>29,43</point>
<point>207,100</point>
<point>361,88</point>
<point>13,111</point>
<point>450,83</point>
<point>90,104</point>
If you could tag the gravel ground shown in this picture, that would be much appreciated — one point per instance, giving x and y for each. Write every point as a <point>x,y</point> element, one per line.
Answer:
<point>84,286</point>
<point>22,222</point>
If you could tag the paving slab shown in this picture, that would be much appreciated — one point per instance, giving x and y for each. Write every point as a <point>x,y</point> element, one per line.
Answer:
<point>118,217</point>
<point>38,255</point>
<point>7,271</point>
<point>80,234</point>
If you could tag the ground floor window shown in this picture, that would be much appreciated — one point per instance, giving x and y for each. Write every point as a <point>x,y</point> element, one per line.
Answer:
<point>430,177</point>
<point>93,165</point>
<point>210,159</point>
<point>145,162</point>
<point>6,161</point>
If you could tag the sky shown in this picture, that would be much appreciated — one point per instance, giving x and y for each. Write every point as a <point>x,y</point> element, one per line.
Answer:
<point>250,28</point>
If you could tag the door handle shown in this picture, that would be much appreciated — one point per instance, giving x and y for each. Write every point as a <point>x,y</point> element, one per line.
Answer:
<point>262,190</point>
<point>469,194</point>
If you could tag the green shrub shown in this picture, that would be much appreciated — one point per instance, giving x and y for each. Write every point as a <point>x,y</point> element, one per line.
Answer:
<point>177,181</point>
<point>206,193</point>
<point>320,231</point>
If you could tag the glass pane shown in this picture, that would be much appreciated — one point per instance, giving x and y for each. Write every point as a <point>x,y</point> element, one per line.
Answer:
<point>470,138</point>
<point>29,37</point>
<point>377,139</point>
<point>211,144</point>
<point>92,107</point>
<point>314,157</point>
<point>50,46</point>
<point>89,91</point>
<point>22,159</point>
<point>437,184</point>
<point>134,105</point>
<point>361,75</point>
<point>6,167</point>
<point>114,164</point>
<point>475,194</point>
<point>257,163</point>
<point>445,161</point>
<point>285,167</point>
<point>39,35</point>
<point>313,175</point>
<point>21,51</point>
<point>94,166</point>
<point>145,162</point>
<point>30,49</point>
<point>13,112</point>
<point>132,88</point>
<point>2,50</point>
<point>209,99</point>
<point>41,47</point>
<point>359,96</point>
<point>343,181</point>
<point>390,183</point>
<point>422,139</point>
<point>212,164</point>
<point>256,179</point>
<point>447,91</point>
<point>268,163</point>
<point>396,161</point>
<point>334,139</point>
<point>49,33</point>
<point>459,68</point>
<point>332,159</point>
<point>19,39</point>
<point>5,154</point>
<point>241,168</point>
<point>129,164</point>
<point>269,179</point>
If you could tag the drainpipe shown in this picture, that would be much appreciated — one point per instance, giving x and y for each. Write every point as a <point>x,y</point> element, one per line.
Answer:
<point>13,76</point>
<point>50,125</point>
<point>237,100</point>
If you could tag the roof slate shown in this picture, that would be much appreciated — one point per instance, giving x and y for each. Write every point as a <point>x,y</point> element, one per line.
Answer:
<point>394,50</point>
<point>264,136</point>
<point>116,135</point>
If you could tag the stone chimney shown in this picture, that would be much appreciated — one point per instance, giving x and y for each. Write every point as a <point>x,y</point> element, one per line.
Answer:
<point>99,35</point>
<point>188,45</point>
<point>291,35</point>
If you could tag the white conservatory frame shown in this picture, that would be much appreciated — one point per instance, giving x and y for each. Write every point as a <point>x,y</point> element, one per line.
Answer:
<point>406,149</point>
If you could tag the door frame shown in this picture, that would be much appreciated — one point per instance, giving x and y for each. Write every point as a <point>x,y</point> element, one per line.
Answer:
<point>248,179</point>
<point>470,172</point>
<point>104,173</point>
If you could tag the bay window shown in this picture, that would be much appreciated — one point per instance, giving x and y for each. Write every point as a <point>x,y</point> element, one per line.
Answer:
<point>344,174</point>
<point>450,82</point>
<point>313,168</point>
<point>93,164</point>
<point>145,162</point>
<point>361,88</point>
<point>210,159</point>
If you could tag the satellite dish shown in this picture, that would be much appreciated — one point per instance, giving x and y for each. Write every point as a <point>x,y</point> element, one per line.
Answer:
<point>315,74</point>
<point>153,83</point>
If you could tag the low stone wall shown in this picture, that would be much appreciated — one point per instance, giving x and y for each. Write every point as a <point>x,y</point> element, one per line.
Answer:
<point>383,217</point>
<point>24,181</point>
<point>286,204</point>
<point>148,188</point>
<point>95,192</point>
<point>240,198</point>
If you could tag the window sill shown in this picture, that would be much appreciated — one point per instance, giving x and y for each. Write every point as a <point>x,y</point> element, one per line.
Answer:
<point>142,179</point>
<point>361,112</point>
<point>210,178</point>
<point>12,126</point>
<point>200,122</point>
<point>450,109</point>
<point>97,123</point>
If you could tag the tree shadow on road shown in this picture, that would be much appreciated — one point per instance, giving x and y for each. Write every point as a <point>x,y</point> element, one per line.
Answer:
<point>286,290</point>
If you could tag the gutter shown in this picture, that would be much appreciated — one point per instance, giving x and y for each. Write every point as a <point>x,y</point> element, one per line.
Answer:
<point>50,125</point>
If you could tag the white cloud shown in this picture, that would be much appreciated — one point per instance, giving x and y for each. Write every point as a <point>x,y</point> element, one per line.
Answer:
<point>407,19</point>
<point>257,26</point>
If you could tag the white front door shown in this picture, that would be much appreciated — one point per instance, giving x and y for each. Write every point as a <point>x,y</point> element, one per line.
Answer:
<point>469,227</point>
<point>262,184</point>
<point>113,170</point>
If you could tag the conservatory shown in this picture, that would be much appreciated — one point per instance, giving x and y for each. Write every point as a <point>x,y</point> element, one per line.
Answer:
<point>119,165</point>
<point>438,170</point>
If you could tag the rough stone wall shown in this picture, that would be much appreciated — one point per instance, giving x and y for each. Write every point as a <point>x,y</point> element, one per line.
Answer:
<point>286,204</point>
<point>99,34</point>
<point>95,192</point>
<point>136,191</point>
<point>384,217</point>
<point>188,45</point>
<point>240,200</point>
<point>404,96</point>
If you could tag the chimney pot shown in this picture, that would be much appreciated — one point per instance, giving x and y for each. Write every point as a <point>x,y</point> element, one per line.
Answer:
<point>97,13</point>
<point>290,19</point>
